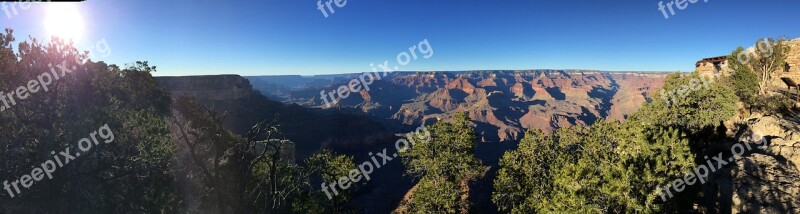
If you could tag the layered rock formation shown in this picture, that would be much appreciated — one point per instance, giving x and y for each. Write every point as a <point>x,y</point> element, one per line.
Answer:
<point>502,103</point>
<point>215,87</point>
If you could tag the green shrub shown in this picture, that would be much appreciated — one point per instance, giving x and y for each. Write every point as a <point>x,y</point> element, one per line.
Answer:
<point>742,80</point>
<point>775,104</point>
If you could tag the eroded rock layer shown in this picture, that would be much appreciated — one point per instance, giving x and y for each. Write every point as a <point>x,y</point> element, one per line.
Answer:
<point>502,103</point>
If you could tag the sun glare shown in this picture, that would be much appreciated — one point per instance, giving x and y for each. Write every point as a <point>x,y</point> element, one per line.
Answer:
<point>64,20</point>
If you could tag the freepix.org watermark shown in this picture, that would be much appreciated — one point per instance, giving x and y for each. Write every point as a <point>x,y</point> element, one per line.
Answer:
<point>695,84</point>
<point>327,7</point>
<point>700,173</point>
<point>59,160</point>
<point>42,82</point>
<point>365,169</point>
<point>672,96</point>
<point>45,79</point>
<point>366,79</point>
<point>674,4</point>
<point>10,8</point>
<point>764,47</point>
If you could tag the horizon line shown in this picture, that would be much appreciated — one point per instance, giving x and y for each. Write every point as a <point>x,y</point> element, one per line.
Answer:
<point>429,71</point>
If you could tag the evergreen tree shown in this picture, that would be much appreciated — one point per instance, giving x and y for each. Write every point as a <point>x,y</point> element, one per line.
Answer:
<point>607,168</point>
<point>693,105</point>
<point>445,163</point>
<point>743,81</point>
<point>328,167</point>
<point>132,173</point>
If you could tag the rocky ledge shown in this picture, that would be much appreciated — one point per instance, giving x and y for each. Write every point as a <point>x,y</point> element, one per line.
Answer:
<point>768,180</point>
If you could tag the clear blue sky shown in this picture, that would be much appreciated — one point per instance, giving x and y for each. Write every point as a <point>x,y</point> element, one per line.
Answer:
<point>272,37</point>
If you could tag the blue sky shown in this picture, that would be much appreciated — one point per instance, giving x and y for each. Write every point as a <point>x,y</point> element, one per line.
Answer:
<point>275,37</point>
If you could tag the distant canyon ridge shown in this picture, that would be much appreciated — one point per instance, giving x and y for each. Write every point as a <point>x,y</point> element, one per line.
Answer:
<point>503,104</point>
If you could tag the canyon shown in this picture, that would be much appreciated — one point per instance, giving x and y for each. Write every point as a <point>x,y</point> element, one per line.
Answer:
<point>503,104</point>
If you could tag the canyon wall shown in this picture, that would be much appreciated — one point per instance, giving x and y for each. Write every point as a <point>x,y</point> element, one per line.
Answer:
<point>309,129</point>
<point>207,88</point>
<point>502,103</point>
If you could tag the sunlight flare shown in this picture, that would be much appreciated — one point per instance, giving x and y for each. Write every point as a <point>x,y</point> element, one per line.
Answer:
<point>65,21</point>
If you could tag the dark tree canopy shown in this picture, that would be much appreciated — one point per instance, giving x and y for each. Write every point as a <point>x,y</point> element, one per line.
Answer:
<point>130,174</point>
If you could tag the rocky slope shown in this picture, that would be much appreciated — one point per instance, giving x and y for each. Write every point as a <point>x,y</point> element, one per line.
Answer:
<point>766,177</point>
<point>502,103</point>
<point>768,180</point>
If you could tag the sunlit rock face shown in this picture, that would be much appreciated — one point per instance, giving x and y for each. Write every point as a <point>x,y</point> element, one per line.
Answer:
<point>502,103</point>
<point>765,178</point>
<point>792,67</point>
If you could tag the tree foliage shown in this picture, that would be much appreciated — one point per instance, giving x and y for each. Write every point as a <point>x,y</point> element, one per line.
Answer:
<point>616,168</point>
<point>693,108</point>
<point>445,164</point>
<point>766,59</point>
<point>742,79</point>
<point>130,174</point>
<point>252,174</point>
<point>608,168</point>
<point>166,157</point>
<point>752,70</point>
<point>328,167</point>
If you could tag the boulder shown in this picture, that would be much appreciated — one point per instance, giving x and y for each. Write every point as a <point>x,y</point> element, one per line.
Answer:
<point>768,180</point>
<point>763,184</point>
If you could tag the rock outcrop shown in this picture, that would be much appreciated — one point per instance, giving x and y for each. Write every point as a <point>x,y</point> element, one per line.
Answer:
<point>768,180</point>
<point>207,88</point>
<point>764,184</point>
<point>309,129</point>
<point>784,135</point>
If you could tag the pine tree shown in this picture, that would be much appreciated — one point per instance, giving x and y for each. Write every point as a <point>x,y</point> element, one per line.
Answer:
<point>606,168</point>
<point>132,173</point>
<point>445,163</point>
